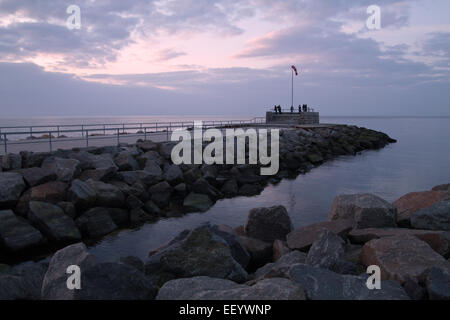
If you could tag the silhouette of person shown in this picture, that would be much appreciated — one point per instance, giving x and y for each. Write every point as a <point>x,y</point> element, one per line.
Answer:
<point>305,108</point>
<point>299,109</point>
<point>292,109</point>
<point>276,109</point>
<point>279,109</point>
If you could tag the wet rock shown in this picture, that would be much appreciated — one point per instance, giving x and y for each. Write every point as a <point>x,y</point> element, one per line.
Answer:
<point>437,281</point>
<point>173,174</point>
<point>303,237</point>
<point>134,202</point>
<point>414,201</point>
<point>139,216</point>
<point>401,257</point>
<point>36,176</point>
<point>281,266</point>
<point>323,284</point>
<point>160,194</point>
<point>11,187</point>
<point>191,175</point>
<point>268,224</point>
<point>96,223</point>
<point>108,195</point>
<point>260,252</point>
<point>439,241</point>
<point>53,222</point>
<point>366,210</point>
<point>249,190</point>
<point>81,195</point>
<point>230,188</point>
<point>195,202</point>
<point>328,252</point>
<point>199,252</point>
<point>201,186</point>
<point>126,162</point>
<point>16,233</point>
<point>152,208</point>
<point>147,145</point>
<point>119,216</point>
<point>65,169</point>
<point>436,217</point>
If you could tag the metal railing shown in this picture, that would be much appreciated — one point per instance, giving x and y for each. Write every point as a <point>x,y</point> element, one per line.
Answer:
<point>87,132</point>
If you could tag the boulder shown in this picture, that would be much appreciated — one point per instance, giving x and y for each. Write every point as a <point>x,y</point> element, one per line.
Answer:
<point>147,145</point>
<point>249,190</point>
<point>96,223</point>
<point>108,195</point>
<point>81,195</point>
<point>119,216</point>
<point>366,211</point>
<point>191,175</point>
<point>53,222</point>
<point>437,282</point>
<point>303,237</point>
<point>65,169</point>
<point>436,217</point>
<point>152,208</point>
<point>328,252</point>
<point>11,161</point>
<point>279,268</point>
<point>173,174</point>
<point>53,192</point>
<point>16,233</point>
<point>268,224</point>
<point>199,252</point>
<point>68,208</point>
<point>201,186</point>
<point>401,257</point>
<point>323,284</point>
<point>260,252</point>
<point>195,202</point>
<point>439,241</point>
<point>134,262</point>
<point>414,201</point>
<point>139,216</point>
<point>36,176</point>
<point>125,161</point>
<point>11,187</point>
<point>143,176</point>
<point>160,194</point>
<point>442,187</point>
<point>230,188</point>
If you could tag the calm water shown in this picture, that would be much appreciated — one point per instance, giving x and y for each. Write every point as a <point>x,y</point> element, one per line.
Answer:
<point>419,161</point>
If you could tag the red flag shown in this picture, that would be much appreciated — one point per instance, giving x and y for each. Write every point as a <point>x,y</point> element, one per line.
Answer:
<point>295,70</point>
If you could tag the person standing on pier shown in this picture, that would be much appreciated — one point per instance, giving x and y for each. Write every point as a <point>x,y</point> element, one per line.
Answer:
<point>292,109</point>
<point>276,109</point>
<point>299,109</point>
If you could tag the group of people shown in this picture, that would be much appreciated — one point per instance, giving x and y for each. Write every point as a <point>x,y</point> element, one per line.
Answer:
<point>300,108</point>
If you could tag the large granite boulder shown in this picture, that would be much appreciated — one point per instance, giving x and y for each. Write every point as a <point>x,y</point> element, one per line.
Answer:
<point>81,195</point>
<point>268,224</point>
<point>437,282</point>
<point>328,252</point>
<point>439,241</point>
<point>96,223</point>
<point>173,174</point>
<point>11,161</point>
<point>205,288</point>
<point>196,202</point>
<point>202,186</point>
<point>65,169</point>
<point>436,217</point>
<point>414,201</point>
<point>16,233</point>
<point>280,267</point>
<point>36,176</point>
<point>401,257</point>
<point>199,252</point>
<point>126,162</point>
<point>160,194</point>
<point>366,211</point>
<point>53,222</point>
<point>303,237</point>
<point>11,187</point>
<point>261,252</point>
<point>108,195</point>
<point>323,284</point>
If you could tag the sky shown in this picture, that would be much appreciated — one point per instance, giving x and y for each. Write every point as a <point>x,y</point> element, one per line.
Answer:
<point>223,57</point>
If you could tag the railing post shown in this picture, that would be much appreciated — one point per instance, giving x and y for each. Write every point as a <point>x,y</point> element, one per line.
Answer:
<point>50,140</point>
<point>118,139</point>
<point>82,130</point>
<point>104,130</point>
<point>156,126</point>
<point>87,138</point>
<point>57,128</point>
<point>123,128</point>
<point>145,133</point>
<point>6,144</point>
<point>167,133</point>
<point>31,132</point>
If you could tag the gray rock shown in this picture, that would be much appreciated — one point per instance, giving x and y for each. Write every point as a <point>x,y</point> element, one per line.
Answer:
<point>323,284</point>
<point>280,267</point>
<point>199,252</point>
<point>65,169</point>
<point>96,223</point>
<point>328,252</point>
<point>108,195</point>
<point>366,210</point>
<point>249,190</point>
<point>201,186</point>
<point>268,224</point>
<point>152,208</point>
<point>173,174</point>
<point>195,202</point>
<point>437,281</point>
<point>191,175</point>
<point>134,202</point>
<point>139,216</point>
<point>147,145</point>
<point>68,208</point>
<point>436,217</point>
<point>16,233</point>
<point>230,188</point>
<point>260,252</point>
<point>134,262</point>
<point>120,217</point>
<point>280,248</point>
<point>11,187</point>
<point>54,286</point>
<point>81,195</point>
<point>11,161</point>
<point>53,222</point>
<point>35,176</point>
<point>125,161</point>
<point>160,194</point>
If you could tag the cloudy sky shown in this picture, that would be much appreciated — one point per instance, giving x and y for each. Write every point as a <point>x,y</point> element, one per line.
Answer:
<point>224,57</point>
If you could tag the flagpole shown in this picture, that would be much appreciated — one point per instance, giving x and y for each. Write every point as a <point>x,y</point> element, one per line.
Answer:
<point>292,90</point>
